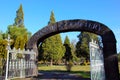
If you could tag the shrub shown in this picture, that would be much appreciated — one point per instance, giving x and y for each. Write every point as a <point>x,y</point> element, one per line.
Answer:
<point>69,66</point>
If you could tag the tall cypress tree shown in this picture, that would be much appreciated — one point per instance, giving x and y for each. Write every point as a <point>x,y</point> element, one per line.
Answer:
<point>18,32</point>
<point>19,20</point>
<point>68,53</point>
<point>52,48</point>
<point>52,18</point>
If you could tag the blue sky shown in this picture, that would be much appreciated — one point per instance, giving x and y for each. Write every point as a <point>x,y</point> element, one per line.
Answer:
<point>37,13</point>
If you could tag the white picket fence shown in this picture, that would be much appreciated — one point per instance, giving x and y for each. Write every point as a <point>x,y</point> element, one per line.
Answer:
<point>21,64</point>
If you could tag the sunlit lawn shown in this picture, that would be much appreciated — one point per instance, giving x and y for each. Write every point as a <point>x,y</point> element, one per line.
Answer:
<point>57,67</point>
<point>83,71</point>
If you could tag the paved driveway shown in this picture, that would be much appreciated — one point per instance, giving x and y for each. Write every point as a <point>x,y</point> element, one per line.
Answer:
<point>58,76</point>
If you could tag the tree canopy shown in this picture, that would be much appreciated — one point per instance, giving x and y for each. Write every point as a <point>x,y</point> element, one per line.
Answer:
<point>82,46</point>
<point>3,50</point>
<point>1,35</point>
<point>19,20</point>
<point>52,48</point>
<point>68,53</point>
<point>19,35</point>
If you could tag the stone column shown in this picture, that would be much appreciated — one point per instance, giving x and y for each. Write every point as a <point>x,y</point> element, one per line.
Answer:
<point>110,61</point>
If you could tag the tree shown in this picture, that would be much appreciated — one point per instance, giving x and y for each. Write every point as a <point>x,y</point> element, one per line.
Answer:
<point>3,53</point>
<point>19,20</point>
<point>52,18</point>
<point>82,47</point>
<point>17,31</point>
<point>3,50</point>
<point>1,35</point>
<point>75,59</point>
<point>52,48</point>
<point>19,35</point>
<point>68,53</point>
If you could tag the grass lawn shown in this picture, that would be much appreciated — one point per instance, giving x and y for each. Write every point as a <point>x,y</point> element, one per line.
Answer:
<point>83,71</point>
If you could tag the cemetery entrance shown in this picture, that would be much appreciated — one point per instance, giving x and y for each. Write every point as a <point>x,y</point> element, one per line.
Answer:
<point>108,40</point>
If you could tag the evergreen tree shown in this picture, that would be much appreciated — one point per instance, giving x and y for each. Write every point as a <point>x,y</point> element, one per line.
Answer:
<point>1,35</point>
<point>52,48</point>
<point>19,35</point>
<point>73,51</point>
<point>82,47</point>
<point>19,20</point>
<point>3,51</point>
<point>52,18</point>
<point>18,32</point>
<point>68,53</point>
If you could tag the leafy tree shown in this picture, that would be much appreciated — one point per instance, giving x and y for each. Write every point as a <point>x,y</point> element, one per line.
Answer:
<point>17,31</point>
<point>19,20</point>
<point>82,47</point>
<point>3,45</point>
<point>3,50</point>
<point>60,49</point>
<point>3,53</point>
<point>68,53</point>
<point>19,35</point>
<point>73,51</point>
<point>52,48</point>
<point>1,35</point>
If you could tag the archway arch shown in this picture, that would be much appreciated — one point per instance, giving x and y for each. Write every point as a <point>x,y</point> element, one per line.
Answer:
<point>108,39</point>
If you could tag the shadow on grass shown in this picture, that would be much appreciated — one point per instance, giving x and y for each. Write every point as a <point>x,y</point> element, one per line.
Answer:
<point>61,74</point>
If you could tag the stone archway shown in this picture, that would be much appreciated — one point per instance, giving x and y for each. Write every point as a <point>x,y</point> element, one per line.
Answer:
<point>108,39</point>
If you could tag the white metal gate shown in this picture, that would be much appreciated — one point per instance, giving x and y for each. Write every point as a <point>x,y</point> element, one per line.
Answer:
<point>21,64</point>
<point>97,61</point>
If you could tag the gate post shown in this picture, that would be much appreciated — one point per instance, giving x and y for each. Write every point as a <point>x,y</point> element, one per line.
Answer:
<point>110,56</point>
<point>110,61</point>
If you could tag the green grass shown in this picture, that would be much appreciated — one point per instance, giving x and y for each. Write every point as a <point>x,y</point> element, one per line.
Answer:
<point>83,71</point>
<point>74,68</point>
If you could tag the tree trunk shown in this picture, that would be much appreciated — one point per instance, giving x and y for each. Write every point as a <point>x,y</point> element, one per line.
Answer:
<point>51,62</point>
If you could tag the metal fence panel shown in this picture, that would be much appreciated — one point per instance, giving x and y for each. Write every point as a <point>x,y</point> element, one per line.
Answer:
<point>18,66</point>
<point>97,62</point>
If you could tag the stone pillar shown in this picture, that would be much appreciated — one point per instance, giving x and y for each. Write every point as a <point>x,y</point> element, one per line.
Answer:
<point>110,61</point>
<point>35,70</point>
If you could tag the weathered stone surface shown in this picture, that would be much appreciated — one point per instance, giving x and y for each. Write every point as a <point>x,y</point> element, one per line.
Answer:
<point>108,39</point>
